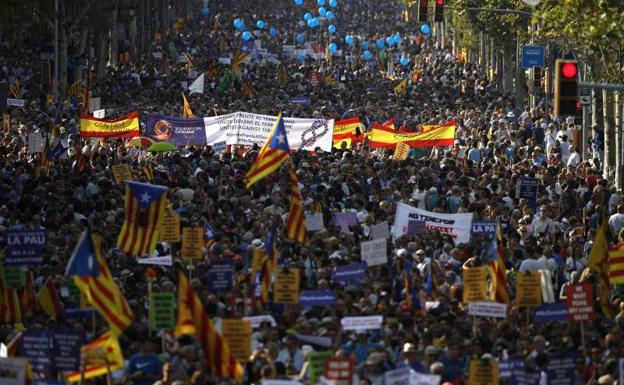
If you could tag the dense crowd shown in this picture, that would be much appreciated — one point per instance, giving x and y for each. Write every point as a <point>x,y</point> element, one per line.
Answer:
<point>498,142</point>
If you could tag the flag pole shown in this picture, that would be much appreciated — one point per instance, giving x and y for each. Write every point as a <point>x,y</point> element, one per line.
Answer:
<point>82,369</point>
<point>149,296</point>
<point>109,377</point>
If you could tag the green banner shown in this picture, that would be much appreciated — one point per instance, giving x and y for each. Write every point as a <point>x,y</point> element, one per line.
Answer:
<point>13,276</point>
<point>317,363</point>
<point>161,310</point>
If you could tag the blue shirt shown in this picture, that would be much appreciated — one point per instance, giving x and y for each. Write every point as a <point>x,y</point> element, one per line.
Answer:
<point>149,363</point>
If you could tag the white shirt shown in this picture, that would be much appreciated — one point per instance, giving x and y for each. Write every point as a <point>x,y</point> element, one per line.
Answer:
<point>615,222</point>
<point>574,159</point>
<point>529,265</point>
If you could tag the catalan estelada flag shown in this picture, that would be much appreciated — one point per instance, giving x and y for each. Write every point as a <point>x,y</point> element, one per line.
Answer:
<point>272,154</point>
<point>347,130</point>
<point>148,171</point>
<point>247,89</point>
<point>144,210</point>
<point>101,356</point>
<point>296,226</point>
<point>193,319</point>
<point>499,291</point>
<point>616,264</point>
<point>49,300</point>
<point>236,61</point>
<point>187,112</point>
<point>598,263</point>
<point>91,274</point>
<point>384,137</point>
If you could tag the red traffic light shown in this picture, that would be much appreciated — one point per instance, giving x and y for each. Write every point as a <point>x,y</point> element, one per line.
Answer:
<point>569,70</point>
<point>440,2</point>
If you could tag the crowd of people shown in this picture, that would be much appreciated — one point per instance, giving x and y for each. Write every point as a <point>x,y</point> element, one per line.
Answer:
<point>498,141</point>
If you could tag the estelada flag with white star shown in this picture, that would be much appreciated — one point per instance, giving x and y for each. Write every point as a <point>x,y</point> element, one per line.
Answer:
<point>144,210</point>
<point>272,154</point>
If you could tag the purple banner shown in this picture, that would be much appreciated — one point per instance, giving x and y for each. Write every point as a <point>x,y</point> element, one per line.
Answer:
<point>317,298</point>
<point>353,272</point>
<point>175,130</point>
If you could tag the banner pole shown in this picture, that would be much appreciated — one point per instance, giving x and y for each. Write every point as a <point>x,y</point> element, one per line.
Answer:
<point>583,336</point>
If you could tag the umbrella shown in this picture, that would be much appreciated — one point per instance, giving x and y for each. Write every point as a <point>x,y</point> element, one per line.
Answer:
<point>162,147</point>
<point>140,141</point>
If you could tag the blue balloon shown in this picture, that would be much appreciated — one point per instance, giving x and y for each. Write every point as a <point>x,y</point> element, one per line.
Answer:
<point>331,28</point>
<point>246,35</point>
<point>367,55</point>
<point>299,38</point>
<point>397,39</point>
<point>404,61</point>
<point>322,11</point>
<point>273,32</point>
<point>349,40</point>
<point>298,2</point>
<point>390,40</point>
<point>425,29</point>
<point>380,43</point>
<point>364,45</point>
<point>330,15</point>
<point>301,57</point>
<point>238,24</point>
<point>313,22</point>
<point>205,11</point>
<point>260,24</point>
<point>321,3</point>
<point>307,16</point>
<point>332,47</point>
<point>333,3</point>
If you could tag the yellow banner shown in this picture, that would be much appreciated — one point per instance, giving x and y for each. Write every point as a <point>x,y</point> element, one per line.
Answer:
<point>124,127</point>
<point>170,227</point>
<point>192,242</point>
<point>122,173</point>
<point>384,137</point>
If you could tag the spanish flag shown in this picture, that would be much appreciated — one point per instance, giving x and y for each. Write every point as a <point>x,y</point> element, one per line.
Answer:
<point>187,112</point>
<point>49,299</point>
<point>124,127</point>
<point>193,319</point>
<point>348,130</point>
<point>101,356</point>
<point>384,137</point>
<point>274,152</point>
<point>401,88</point>
<point>499,292</point>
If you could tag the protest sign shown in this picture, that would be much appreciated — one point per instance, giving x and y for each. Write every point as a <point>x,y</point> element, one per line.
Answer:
<point>257,320</point>
<point>122,173</point>
<point>344,220</point>
<point>12,102</point>
<point>349,273</point>
<point>528,188</point>
<point>372,322</point>
<point>458,226</point>
<point>13,371</point>
<point>400,376</point>
<point>170,227</point>
<point>220,275</point>
<point>316,364</point>
<point>380,231</point>
<point>475,284</point>
<point>314,222</point>
<point>551,312</point>
<point>483,372</point>
<point>176,130</point>
<point>315,340</point>
<point>580,303</point>
<point>35,345</point>
<point>165,260</point>
<point>484,227</point>
<point>161,310</point>
<point>374,252</point>
<point>401,151</point>
<point>340,370</point>
<point>424,379</point>
<point>192,242</point>
<point>24,247</point>
<point>14,276</point>
<point>286,286</point>
<point>487,309</point>
<point>317,298</point>
<point>35,142</point>
<point>66,350</point>
<point>528,289</point>
<point>237,333</point>
<point>560,369</point>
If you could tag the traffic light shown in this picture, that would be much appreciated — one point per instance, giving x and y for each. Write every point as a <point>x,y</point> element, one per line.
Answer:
<point>566,87</point>
<point>438,14</point>
<point>423,11</point>
<point>537,77</point>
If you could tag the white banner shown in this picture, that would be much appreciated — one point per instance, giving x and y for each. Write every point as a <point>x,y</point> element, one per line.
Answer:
<point>399,376</point>
<point>362,323</point>
<point>155,260</point>
<point>258,319</point>
<point>424,379</point>
<point>458,226</point>
<point>247,129</point>
<point>488,309</point>
<point>374,252</point>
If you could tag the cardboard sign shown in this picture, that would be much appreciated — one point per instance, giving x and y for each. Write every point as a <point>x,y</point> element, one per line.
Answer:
<point>35,345</point>
<point>170,227</point>
<point>349,273</point>
<point>286,286</point>
<point>380,231</point>
<point>314,222</point>
<point>24,247</point>
<point>401,151</point>
<point>35,142</point>
<point>372,322</point>
<point>344,220</point>
<point>122,173</point>
<point>192,242</point>
<point>66,350</point>
<point>580,303</point>
<point>6,123</point>
<point>528,289</point>
<point>14,276</point>
<point>340,370</point>
<point>220,275</point>
<point>237,333</point>
<point>483,372</point>
<point>487,309</point>
<point>316,364</point>
<point>475,284</point>
<point>161,310</point>
<point>13,371</point>
<point>374,252</point>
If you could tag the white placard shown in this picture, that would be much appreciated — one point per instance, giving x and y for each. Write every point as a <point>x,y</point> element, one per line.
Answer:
<point>362,323</point>
<point>15,102</point>
<point>35,142</point>
<point>399,376</point>
<point>380,231</point>
<point>157,55</point>
<point>314,222</point>
<point>13,371</point>
<point>374,252</point>
<point>458,226</point>
<point>100,114</point>
<point>487,309</point>
<point>247,129</point>
<point>424,379</point>
<point>225,60</point>
<point>95,104</point>
<point>315,340</point>
<point>159,261</point>
<point>258,319</point>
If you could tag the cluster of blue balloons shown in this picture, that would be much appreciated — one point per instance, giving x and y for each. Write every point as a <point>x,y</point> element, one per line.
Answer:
<point>367,55</point>
<point>425,29</point>
<point>314,22</point>
<point>299,38</point>
<point>205,11</point>
<point>246,35</point>
<point>239,24</point>
<point>393,40</point>
<point>349,40</point>
<point>404,61</point>
<point>380,43</point>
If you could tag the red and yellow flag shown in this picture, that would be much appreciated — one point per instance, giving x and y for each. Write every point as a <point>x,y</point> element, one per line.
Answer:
<point>384,137</point>
<point>297,229</point>
<point>348,130</point>
<point>499,291</point>
<point>102,355</point>
<point>124,127</point>
<point>616,264</point>
<point>49,299</point>
<point>187,112</point>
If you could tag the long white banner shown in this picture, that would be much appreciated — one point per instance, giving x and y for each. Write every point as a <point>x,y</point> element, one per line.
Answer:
<point>247,129</point>
<point>458,226</point>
